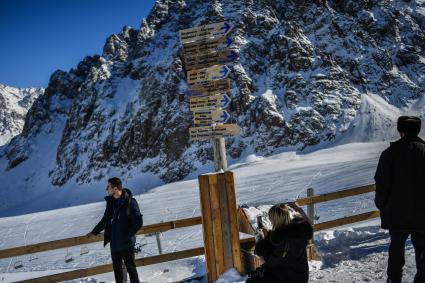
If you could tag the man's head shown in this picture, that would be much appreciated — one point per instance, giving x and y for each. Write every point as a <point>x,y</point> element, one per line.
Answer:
<point>408,125</point>
<point>114,187</point>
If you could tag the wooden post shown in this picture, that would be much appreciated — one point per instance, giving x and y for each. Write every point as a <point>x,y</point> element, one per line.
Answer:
<point>219,224</point>
<point>220,158</point>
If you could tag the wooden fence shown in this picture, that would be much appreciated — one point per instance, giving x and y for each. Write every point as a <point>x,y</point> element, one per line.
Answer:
<point>247,243</point>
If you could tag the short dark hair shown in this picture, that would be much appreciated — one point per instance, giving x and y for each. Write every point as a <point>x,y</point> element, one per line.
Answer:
<point>115,182</point>
<point>410,125</point>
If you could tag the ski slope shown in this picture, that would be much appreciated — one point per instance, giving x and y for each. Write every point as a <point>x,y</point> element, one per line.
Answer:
<point>259,180</point>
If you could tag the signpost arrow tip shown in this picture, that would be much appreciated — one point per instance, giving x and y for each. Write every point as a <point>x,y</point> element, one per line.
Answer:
<point>229,42</point>
<point>225,116</point>
<point>226,27</point>
<point>225,101</point>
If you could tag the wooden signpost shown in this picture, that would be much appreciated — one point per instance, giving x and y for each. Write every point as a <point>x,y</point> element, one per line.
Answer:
<point>200,60</point>
<point>207,74</point>
<point>204,32</point>
<point>209,102</point>
<point>211,117</point>
<point>210,87</point>
<point>208,132</point>
<point>206,51</point>
<point>207,46</point>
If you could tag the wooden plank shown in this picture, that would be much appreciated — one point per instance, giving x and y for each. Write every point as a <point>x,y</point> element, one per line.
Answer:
<point>204,32</point>
<point>207,225</point>
<point>346,220</point>
<point>210,87</point>
<point>210,116</point>
<point>233,221</point>
<point>80,273</point>
<point>81,240</point>
<point>336,195</point>
<point>219,130</point>
<point>85,272</point>
<point>201,61</point>
<point>207,46</point>
<point>200,76</point>
<point>244,225</point>
<point>216,222</point>
<point>225,221</point>
<point>209,102</point>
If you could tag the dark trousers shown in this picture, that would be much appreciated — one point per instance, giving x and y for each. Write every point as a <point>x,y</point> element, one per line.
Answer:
<point>128,257</point>
<point>396,254</point>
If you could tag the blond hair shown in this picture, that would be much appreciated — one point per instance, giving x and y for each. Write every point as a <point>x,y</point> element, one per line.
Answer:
<point>279,216</point>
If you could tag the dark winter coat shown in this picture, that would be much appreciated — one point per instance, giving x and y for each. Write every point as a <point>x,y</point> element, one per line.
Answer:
<point>120,227</point>
<point>285,252</point>
<point>400,185</point>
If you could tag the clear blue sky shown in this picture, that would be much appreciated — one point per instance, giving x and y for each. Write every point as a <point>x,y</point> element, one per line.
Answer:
<point>38,37</point>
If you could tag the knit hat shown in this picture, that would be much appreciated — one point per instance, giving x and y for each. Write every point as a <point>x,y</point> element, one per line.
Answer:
<point>410,125</point>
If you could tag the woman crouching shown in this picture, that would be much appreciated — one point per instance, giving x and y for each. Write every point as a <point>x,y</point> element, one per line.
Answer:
<point>284,248</point>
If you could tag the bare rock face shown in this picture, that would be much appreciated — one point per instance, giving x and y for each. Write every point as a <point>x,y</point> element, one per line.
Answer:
<point>14,105</point>
<point>303,68</point>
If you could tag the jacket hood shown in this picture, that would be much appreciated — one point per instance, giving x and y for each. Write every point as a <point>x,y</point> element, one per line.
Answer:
<point>127,194</point>
<point>296,230</point>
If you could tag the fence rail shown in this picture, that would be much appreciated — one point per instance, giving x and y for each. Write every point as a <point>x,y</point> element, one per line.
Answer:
<point>81,240</point>
<point>336,195</point>
<point>170,225</point>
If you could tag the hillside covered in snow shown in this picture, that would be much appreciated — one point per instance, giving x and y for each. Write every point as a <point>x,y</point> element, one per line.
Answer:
<point>349,254</point>
<point>310,74</point>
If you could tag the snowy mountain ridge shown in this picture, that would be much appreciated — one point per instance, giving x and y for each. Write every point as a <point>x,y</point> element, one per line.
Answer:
<point>14,105</point>
<point>310,74</point>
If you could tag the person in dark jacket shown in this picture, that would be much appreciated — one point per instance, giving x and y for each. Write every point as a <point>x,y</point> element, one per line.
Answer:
<point>284,248</point>
<point>121,221</point>
<point>400,196</point>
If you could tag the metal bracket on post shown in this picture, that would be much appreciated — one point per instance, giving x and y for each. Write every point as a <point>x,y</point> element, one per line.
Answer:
<point>220,158</point>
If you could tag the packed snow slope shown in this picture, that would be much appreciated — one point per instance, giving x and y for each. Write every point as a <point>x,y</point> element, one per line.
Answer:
<point>309,73</point>
<point>349,254</point>
<point>14,105</point>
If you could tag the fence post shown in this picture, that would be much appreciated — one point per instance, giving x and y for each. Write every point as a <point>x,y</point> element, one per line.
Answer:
<point>219,224</point>
<point>310,206</point>
<point>310,214</point>
<point>158,242</point>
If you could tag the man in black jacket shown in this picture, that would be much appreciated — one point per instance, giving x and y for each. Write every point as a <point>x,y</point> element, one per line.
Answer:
<point>400,196</point>
<point>121,221</point>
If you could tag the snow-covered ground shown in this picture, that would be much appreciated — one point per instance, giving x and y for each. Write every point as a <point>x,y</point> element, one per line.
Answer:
<point>355,254</point>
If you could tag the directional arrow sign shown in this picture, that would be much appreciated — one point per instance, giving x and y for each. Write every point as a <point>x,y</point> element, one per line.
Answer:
<point>209,132</point>
<point>210,87</point>
<point>209,102</point>
<point>211,117</point>
<point>207,74</point>
<point>207,60</point>
<point>207,46</point>
<point>204,32</point>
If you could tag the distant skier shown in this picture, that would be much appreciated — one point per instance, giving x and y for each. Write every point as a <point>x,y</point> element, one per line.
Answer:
<point>400,197</point>
<point>284,248</point>
<point>121,221</point>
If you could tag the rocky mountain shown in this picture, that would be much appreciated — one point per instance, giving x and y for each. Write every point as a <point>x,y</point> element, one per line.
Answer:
<point>14,105</point>
<point>310,73</point>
